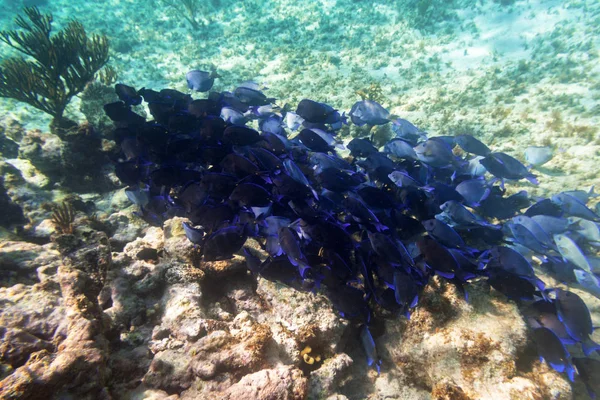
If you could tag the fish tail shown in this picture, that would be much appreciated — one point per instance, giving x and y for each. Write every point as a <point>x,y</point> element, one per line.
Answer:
<point>589,346</point>
<point>532,179</point>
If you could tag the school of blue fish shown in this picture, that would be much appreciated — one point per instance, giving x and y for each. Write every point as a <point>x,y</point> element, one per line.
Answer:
<point>368,230</point>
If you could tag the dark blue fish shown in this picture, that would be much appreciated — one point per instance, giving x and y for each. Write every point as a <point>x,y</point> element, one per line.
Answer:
<point>437,257</point>
<point>128,95</point>
<point>503,166</point>
<point>589,371</point>
<point>463,217</point>
<point>233,116</point>
<point>313,141</point>
<point>138,196</point>
<point>361,213</point>
<point>444,233</point>
<point>194,235</point>
<point>544,207</point>
<point>338,180</point>
<point>251,96</point>
<point>240,135</point>
<point>253,263</point>
<point>361,147</point>
<point>369,346</point>
<point>406,131</point>
<point>271,124</point>
<point>121,112</point>
<point>406,290</point>
<point>250,195</point>
<point>472,145</point>
<point>575,315</point>
<point>315,112</point>
<point>391,250</point>
<point>368,112</point>
<point>288,240</point>
<point>350,302</point>
<point>222,244</point>
<point>572,206</point>
<point>200,81</point>
<point>400,149</point>
<point>511,285</point>
<point>551,350</point>
<point>474,191</point>
<point>542,313</point>
<point>435,153</point>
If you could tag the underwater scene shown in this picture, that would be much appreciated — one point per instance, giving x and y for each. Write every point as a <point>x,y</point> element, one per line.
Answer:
<point>276,199</point>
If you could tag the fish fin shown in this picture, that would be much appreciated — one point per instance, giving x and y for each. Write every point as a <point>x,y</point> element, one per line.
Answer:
<point>532,179</point>
<point>447,275</point>
<point>414,302</point>
<point>589,346</point>
<point>571,372</point>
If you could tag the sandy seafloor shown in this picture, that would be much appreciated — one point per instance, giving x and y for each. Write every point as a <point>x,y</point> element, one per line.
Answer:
<point>512,75</point>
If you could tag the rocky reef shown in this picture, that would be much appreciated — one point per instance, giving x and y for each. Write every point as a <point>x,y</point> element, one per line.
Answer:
<point>149,321</point>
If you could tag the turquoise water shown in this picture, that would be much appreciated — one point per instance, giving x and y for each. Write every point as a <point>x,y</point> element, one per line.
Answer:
<point>513,74</point>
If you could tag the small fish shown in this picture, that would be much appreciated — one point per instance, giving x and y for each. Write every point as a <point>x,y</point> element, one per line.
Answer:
<point>369,346</point>
<point>574,314</point>
<point>361,147</point>
<point>313,141</point>
<point>587,229</point>
<point>503,166</point>
<point>233,116</point>
<point>361,213</point>
<point>240,135</point>
<point>251,96</point>
<point>138,196</point>
<point>400,149</point>
<point>437,257</point>
<point>200,81</point>
<point>128,95</point>
<point>551,350</point>
<point>475,168</point>
<point>406,290</point>
<point>288,240</point>
<point>583,195</point>
<point>474,191</point>
<point>572,206</point>
<point>272,124</point>
<point>569,250</point>
<point>463,217</point>
<point>194,235</point>
<point>551,225</point>
<point>435,153</point>
<point>368,112</point>
<point>472,145</point>
<point>405,130</point>
<point>589,282</point>
<point>293,121</point>
<point>538,155</point>
<point>338,180</point>
<point>589,371</point>
<point>390,249</point>
<point>444,233</point>
<point>315,112</point>
<point>222,244</point>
